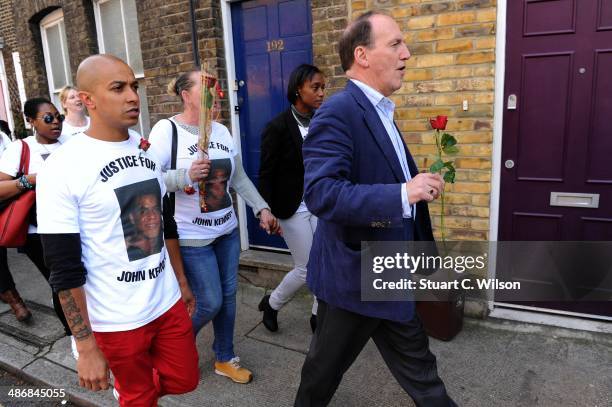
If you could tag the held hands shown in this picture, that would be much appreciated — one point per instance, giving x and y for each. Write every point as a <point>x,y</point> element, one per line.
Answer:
<point>93,369</point>
<point>424,187</point>
<point>269,223</point>
<point>199,170</point>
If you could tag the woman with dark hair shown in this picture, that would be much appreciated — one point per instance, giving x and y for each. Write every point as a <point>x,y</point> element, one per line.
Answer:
<point>5,134</point>
<point>281,183</point>
<point>47,124</point>
<point>4,131</point>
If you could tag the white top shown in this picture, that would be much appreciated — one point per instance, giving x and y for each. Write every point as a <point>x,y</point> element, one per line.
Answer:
<point>4,142</point>
<point>385,108</point>
<point>11,158</point>
<point>303,133</point>
<point>110,193</point>
<point>192,223</point>
<point>69,130</point>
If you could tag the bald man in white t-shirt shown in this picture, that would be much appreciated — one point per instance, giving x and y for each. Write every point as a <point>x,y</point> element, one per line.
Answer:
<point>127,312</point>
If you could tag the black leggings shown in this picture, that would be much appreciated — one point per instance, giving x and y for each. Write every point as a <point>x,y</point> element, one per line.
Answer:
<point>6,279</point>
<point>33,249</point>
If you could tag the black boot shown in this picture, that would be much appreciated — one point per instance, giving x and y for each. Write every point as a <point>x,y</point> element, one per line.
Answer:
<point>269,316</point>
<point>313,322</point>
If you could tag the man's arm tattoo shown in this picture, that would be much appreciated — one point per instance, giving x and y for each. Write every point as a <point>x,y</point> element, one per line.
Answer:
<point>77,324</point>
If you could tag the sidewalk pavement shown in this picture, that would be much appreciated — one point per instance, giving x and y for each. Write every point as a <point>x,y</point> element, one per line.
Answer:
<point>490,363</point>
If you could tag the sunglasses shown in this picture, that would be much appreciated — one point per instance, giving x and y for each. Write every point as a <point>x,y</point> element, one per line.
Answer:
<point>48,118</point>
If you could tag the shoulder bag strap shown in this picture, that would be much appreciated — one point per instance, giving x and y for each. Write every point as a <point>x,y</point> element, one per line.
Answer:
<point>24,162</point>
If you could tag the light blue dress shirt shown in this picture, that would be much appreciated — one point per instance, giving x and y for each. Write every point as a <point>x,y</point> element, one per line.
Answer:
<point>385,109</point>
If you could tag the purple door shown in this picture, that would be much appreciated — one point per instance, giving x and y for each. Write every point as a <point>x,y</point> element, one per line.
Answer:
<point>556,181</point>
<point>271,38</point>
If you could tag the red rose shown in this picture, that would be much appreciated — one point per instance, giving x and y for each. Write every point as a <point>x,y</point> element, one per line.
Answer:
<point>210,81</point>
<point>144,144</point>
<point>189,190</point>
<point>439,123</point>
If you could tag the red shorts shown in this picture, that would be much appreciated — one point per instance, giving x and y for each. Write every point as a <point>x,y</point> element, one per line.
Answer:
<point>154,360</point>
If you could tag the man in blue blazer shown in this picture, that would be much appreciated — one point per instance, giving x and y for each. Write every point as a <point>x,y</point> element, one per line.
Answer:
<point>362,183</point>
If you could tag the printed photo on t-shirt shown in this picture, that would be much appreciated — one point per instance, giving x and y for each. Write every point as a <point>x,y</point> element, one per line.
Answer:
<point>217,196</point>
<point>141,218</point>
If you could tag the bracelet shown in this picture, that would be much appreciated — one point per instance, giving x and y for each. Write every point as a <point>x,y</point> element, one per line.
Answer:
<point>23,183</point>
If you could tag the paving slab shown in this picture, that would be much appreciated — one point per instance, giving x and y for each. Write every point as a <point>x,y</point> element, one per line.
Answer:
<point>275,372</point>
<point>44,328</point>
<point>50,373</point>
<point>61,353</point>
<point>294,323</point>
<point>15,354</point>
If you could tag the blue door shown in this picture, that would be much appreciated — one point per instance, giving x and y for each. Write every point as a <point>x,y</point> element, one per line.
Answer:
<point>271,38</point>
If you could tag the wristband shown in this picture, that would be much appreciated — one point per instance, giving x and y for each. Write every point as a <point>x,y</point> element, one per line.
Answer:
<point>25,184</point>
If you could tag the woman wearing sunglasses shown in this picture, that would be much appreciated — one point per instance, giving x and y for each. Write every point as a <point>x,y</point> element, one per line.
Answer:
<point>47,125</point>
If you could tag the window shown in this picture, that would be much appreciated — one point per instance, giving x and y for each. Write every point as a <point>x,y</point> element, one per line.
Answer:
<point>117,28</point>
<point>5,103</point>
<point>55,51</point>
<point>20,84</point>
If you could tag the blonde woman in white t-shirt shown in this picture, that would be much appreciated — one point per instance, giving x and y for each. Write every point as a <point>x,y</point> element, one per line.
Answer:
<point>47,124</point>
<point>76,119</point>
<point>209,241</point>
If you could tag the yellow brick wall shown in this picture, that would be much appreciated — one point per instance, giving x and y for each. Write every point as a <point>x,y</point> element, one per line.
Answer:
<point>453,54</point>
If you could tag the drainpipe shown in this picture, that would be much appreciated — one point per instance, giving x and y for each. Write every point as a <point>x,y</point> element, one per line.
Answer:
<point>194,35</point>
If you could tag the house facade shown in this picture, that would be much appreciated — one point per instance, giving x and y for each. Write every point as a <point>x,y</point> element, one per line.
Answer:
<point>525,84</point>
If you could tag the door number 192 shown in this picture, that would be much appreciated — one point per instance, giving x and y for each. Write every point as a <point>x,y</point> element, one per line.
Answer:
<point>276,45</point>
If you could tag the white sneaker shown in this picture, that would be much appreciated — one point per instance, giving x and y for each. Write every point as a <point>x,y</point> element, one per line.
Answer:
<point>75,352</point>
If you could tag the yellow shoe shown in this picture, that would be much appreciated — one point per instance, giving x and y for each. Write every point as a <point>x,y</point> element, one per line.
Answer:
<point>234,371</point>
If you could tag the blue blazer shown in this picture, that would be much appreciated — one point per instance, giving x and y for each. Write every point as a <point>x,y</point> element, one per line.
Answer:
<point>352,184</point>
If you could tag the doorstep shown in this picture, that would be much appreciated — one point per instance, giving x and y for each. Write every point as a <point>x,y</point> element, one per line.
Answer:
<point>264,268</point>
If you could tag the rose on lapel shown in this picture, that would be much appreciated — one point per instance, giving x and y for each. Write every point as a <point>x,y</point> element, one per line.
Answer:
<point>144,144</point>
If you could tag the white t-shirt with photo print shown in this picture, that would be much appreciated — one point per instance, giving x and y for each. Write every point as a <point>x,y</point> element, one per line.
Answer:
<point>220,218</point>
<point>11,159</point>
<point>110,193</point>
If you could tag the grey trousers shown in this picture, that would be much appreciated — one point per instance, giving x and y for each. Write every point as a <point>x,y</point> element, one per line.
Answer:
<point>298,231</point>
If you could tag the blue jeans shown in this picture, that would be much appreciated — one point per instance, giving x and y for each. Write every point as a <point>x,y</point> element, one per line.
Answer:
<point>212,272</point>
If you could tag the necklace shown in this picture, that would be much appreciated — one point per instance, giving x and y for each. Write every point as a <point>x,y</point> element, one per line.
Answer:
<point>302,119</point>
<point>48,152</point>
<point>190,128</point>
